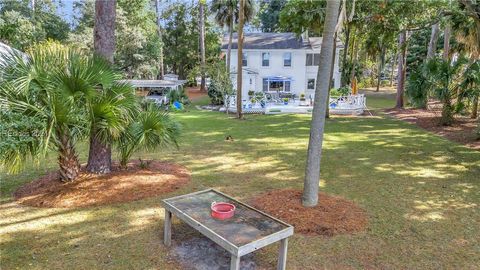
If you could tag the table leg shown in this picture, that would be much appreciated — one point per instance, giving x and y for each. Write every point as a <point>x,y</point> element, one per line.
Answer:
<point>167,228</point>
<point>282,254</point>
<point>234,263</point>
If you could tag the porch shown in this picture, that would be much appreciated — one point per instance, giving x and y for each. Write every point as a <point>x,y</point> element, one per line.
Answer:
<point>343,105</point>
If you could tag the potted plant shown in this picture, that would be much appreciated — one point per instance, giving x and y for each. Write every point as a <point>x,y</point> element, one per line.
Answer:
<point>303,101</point>
<point>285,101</point>
<point>251,93</point>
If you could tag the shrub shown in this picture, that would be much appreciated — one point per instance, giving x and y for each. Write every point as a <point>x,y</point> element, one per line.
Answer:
<point>215,93</point>
<point>342,91</point>
<point>417,87</point>
<point>178,95</point>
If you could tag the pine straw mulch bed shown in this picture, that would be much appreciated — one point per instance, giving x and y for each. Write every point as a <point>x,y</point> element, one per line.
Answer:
<point>121,185</point>
<point>461,131</point>
<point>332,216</point>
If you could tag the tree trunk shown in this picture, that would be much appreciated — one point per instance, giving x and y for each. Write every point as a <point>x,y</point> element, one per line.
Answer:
<point>447,109</point>
<point>401,69</point>
<point>161,71</point>
<point>241,21</point>
<point>345,53</point>
<point>100,153</point>
<point>432,45</point>
<point>104,29</point>
<point>229,49</point>
<point>312,170</point>
<point>392,69</point>
<point>67,159</point>
<point>353,58</point>
<point>474,107</point>
<point>381,62</point>
<point>332,67</point>
<point>446,42</point>
<point>202,44</point>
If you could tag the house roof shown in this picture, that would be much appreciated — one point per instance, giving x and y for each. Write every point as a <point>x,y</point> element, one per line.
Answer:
<point>265,41</point>
<point>261,41</point>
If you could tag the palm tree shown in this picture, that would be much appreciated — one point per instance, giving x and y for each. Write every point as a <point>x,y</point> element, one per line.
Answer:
<point>239,59</point>
<point>444,79</point>
<point>312,170</point>
<point>46,86</point>
<point>100,153</point>
<point>152,129</point>
<point>201,14</point>
<point>227,14</point>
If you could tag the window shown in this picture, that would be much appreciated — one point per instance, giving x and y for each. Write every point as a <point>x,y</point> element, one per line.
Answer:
<point>244,59</point>
<point>316,59</point>
<point>287,59</point>
<point>309,60</point>
<point>265,59</point>
<point>287,86</point>
<point>265,85</point>
<point>311,84</point>
<point>313,59</point>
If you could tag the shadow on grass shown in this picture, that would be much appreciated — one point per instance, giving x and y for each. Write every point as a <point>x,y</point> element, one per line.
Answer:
<point>417,188</point>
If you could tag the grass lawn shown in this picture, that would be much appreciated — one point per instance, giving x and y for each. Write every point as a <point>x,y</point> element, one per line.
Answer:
<point>421,193</point>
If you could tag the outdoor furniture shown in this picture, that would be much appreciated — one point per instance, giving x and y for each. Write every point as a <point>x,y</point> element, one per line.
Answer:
<point>248,230</point>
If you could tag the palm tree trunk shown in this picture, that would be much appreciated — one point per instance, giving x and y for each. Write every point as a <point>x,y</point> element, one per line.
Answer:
<point>447,109</point>
<point>446,42</point>
<point>100,153</point>
<point>229,49</point>
<point>314,155</point>
<point>161,71</point>
<point>401,69</point>
<point>474,107</point>
<point>241,21</point>
<point>345,53</point>
<point>432,45</point>
<point>202,44</point>
<point>67,159</point>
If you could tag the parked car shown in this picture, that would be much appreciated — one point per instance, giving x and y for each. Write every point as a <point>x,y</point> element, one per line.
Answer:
<point>158,95</point>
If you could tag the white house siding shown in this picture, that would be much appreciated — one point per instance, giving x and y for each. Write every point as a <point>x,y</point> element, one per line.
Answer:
<point>299,72</point>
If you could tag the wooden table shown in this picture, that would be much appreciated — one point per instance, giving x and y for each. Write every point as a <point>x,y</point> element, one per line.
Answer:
<point>247,231</point>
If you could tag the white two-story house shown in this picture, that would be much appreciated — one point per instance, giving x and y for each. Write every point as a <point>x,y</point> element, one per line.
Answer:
<point>279,62</point>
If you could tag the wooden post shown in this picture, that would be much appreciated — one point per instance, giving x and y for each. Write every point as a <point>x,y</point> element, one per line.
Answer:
<point>282,254</point>
<point>234,263</point>
<point>167,228</point>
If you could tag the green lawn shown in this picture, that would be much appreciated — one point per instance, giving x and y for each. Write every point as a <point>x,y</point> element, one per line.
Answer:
<point>421,192</point>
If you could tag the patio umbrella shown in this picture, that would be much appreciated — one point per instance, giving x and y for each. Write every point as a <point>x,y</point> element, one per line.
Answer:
<point>354,86</point>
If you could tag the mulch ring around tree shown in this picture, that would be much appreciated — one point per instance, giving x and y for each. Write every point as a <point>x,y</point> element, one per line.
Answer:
<point>332,216</point>
<point>461,131</point>
<point>122,185</point>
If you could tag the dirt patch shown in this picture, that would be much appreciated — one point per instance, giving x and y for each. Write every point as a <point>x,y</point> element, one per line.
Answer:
<point>194,93</point>
<point>332,216</point>
<point>461,131</point>
<point>122,185</point>
<point>200,253</point>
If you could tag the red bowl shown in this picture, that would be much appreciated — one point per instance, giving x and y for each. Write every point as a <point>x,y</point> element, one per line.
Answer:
<point>222,210</point>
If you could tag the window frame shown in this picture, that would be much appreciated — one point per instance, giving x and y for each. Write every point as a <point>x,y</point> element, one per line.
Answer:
<point>265,84</point>
<point>308,83</point>
<point>263,60</point>
<point>285,83</point>
<point>289,59</point>
<point>244,59</point>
